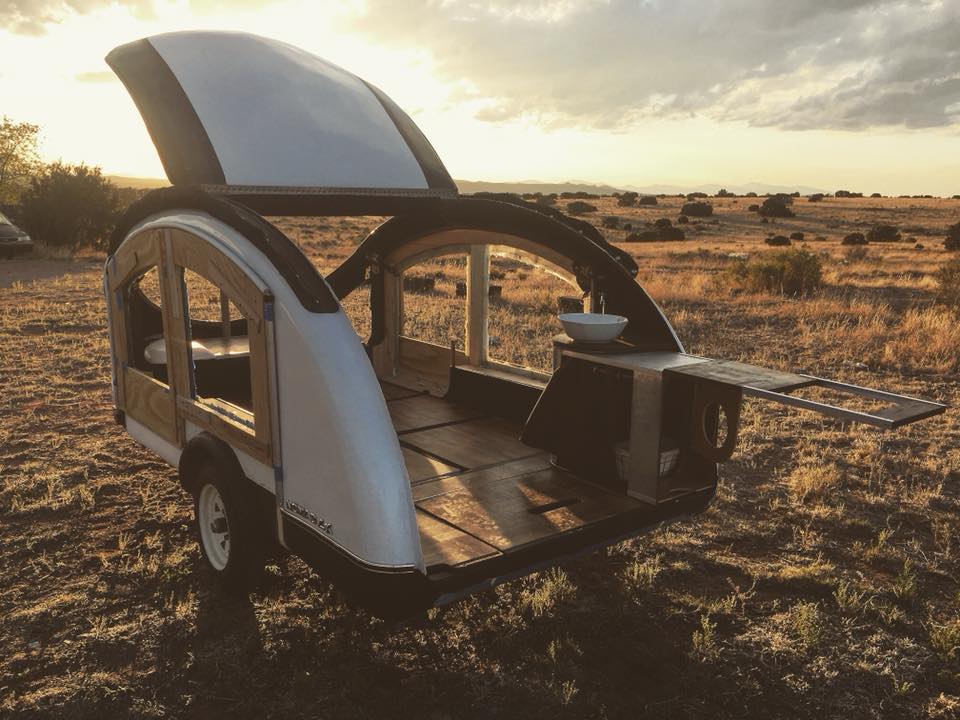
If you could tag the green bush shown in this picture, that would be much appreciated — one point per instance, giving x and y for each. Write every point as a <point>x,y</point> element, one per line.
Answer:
<point>789,272</point>
<point>70,206</point>
<point>948,283</point>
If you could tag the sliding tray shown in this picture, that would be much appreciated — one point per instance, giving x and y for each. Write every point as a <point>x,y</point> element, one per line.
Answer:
<point>774,385</point>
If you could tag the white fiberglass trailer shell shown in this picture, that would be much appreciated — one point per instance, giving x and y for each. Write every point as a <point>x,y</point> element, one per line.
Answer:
<point>408,472</point>
<point>328,384</point>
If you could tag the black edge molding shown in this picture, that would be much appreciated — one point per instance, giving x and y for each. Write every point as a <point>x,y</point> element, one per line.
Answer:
<point>181,140</point>
<point>433,169</point>
<point>300,274</point>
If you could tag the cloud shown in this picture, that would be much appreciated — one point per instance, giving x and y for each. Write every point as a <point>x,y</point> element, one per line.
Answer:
<point>33,17</point>
<point>839,64</point>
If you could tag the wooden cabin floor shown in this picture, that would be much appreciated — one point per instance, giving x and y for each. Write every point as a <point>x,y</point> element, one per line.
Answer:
<point>478,490</point>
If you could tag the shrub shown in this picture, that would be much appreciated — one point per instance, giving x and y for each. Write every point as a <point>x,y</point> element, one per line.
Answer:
<point>953,237</point>
<point>695,195</point>
<point>854,238</point>
<point>697,209</point>
<point>753,208</point>
<point>722,192</point>
<point>660,232</point>
<point>578,207</point>
<point>948,284</point>
<point>777,240</point>
<point>883,233</point>
<point>627,199</point>
<point>662,223</point>
<point>776,206</point>
<point>70,206</point>
<point>816,197</point>
<point>791,272</point>
<point>808,624</point>
<point>856,253</point>
<point>796,235</point>
<point>683,220</point>
<point>647,200</point>
<point>611,221</point>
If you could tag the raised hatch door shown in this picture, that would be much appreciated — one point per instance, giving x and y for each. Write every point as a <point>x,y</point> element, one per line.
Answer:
<point>239,112</point>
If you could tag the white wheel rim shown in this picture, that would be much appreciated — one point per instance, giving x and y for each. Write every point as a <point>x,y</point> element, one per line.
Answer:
<point>214,530</point>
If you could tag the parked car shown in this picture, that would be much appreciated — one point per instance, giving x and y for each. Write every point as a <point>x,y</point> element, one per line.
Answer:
<point>408,472</point>
<point>13,240</point>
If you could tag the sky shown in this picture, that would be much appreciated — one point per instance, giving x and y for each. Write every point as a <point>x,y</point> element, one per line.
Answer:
<point>829,94</point>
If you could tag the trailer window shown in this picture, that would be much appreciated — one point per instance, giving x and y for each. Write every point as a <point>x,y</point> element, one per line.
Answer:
<point>219,350</point>
<point>526,296</point>
<point>435,301</point>
<point>146,337</point>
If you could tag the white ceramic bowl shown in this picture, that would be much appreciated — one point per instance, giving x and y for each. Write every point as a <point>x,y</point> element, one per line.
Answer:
<point>593,327</point>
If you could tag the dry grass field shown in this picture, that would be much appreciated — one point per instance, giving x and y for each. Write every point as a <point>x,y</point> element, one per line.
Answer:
<point>823,582</point>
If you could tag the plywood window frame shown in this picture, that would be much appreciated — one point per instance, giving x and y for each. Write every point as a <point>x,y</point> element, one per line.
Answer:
<point>142,397</point>
<point>189,252</point>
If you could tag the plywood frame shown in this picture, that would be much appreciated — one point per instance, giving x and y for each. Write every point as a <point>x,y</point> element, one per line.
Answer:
<point>165,409</point>
<point>143,398</point>
<point>424,366</point>
<point>250,296</point>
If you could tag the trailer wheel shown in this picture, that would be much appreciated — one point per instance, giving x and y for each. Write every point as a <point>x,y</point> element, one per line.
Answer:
<point>228,529</point>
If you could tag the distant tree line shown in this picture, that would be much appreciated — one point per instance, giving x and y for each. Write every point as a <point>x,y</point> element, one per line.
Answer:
<point>58,204</point>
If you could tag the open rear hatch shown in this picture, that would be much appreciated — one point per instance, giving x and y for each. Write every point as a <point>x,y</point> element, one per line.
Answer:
<point>643,448</point>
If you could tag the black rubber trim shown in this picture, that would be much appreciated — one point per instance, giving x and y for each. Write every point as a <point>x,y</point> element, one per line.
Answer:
<point>389,594</point>
<point>181,140</point>
<point>580,226</point>
<point>600,266</point>
<point>430,163</point>
<point>297,270</point>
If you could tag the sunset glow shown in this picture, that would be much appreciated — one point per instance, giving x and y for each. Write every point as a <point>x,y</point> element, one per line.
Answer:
<point>558,91</point>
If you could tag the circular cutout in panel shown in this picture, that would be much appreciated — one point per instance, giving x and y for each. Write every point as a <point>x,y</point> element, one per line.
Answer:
<point>715,416</point>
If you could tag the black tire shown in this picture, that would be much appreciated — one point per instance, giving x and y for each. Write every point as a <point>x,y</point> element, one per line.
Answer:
<point>238,566</point>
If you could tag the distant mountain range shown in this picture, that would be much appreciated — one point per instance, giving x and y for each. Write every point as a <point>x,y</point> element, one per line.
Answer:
<point>535,186</point>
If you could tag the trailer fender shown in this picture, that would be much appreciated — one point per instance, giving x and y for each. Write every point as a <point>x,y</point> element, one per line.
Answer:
<point>205,446</point>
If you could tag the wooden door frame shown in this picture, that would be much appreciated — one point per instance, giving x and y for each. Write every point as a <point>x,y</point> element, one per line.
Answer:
<point>250,295</point>
<point>140,396</point>
<point>165,409</point>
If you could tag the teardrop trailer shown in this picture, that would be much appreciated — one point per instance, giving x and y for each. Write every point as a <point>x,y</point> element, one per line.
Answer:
<point>409,473</point>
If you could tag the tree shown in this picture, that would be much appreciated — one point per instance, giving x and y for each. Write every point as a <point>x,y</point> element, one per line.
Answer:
<point>18,157</point>
<point>70,206</point>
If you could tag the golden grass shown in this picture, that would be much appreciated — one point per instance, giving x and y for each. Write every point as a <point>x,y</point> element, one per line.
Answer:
<point>823,576</point>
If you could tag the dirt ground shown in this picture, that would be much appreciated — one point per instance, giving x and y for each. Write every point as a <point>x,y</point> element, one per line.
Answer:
<point>822,582</point>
